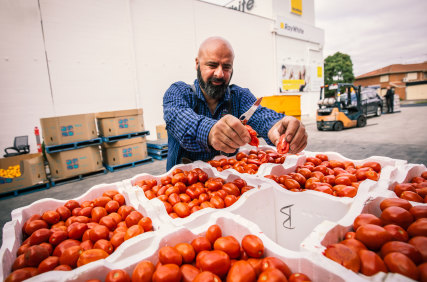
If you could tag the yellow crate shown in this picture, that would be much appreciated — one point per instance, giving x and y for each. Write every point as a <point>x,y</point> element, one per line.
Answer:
<point>285,104</point>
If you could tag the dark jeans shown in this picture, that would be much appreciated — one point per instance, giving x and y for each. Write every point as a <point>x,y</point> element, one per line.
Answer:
<point>390,105</point>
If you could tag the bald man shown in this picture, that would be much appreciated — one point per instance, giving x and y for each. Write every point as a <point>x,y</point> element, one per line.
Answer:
<point>202,119</point>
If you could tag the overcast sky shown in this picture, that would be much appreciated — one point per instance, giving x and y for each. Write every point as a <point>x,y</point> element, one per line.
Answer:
<point>375,33</point>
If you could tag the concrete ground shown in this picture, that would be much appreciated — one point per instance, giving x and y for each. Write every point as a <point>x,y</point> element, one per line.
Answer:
<point>401,135</point>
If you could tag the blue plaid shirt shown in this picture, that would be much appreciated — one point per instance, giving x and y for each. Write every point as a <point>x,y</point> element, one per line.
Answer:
<point>189,120</point>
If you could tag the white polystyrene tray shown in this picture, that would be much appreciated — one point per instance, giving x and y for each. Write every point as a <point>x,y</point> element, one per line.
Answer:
<point>12,230</point>
<point>404,174</point>
<point>328,232</point>
<point>147,249</point>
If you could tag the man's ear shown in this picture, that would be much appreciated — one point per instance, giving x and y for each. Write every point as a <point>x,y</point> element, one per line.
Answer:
<point>197,63</point>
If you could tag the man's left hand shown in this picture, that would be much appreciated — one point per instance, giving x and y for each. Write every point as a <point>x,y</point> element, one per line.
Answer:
<point>295,133</point>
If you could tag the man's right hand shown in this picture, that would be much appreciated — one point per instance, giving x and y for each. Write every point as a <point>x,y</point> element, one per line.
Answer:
<point>228,134</point>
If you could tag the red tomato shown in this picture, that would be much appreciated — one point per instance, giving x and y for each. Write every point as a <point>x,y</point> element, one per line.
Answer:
<point>70,256</point>
<point>170,255</point>
<point>399,263</point>
<point>298,277</point>
<point>389,202</point>
<point>39,236</point>
<point>90,256</point>
<point>19,262</point>
<point>101,201</point>
<point>398,216</point>
<point>206,276</point>
<point>420,243</point>
<point>72,204</point>
<point>19,275</point>
<point>112,206</point>
<point>213,233</point>
<point>371,263</point>
<point>104,245</point>
<point>133,218</point>
<point>51,217</point>
<point>189,272</point>
<point>34,255</point>
<point>229,245</point>
<point>110,193</point>
<point>404,248</point>
<point>350,235</point>
<point>76,230</point>
<point>181,209</point>
<point>34,225</point>
<point>411,196</point>
<point>64,245</point>
<point>254,139</point>
<point>98,232</point>
<point>418,228</point>
<point>374,165</point>
<point>201,244</point>
<point>399,188</point>
<point>273,262</point>
<point>354,244</point>
<point>344,256</point>
<point>422,268</point>
<point>216,261</point>
<point>143,271</point>
<point>97,213</point>
<point>397,232</point>
<point>366,218</point>
<point>133,231</point>
<point>187,252</point>
<point>241,271</point>
<point>253,246</point>
<point>48,264</point>
<point>372,236</point>
<point>117,275</point>
<point>167,272</point>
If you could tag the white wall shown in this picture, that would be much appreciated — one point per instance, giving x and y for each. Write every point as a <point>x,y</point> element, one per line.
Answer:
<point>114,54</point>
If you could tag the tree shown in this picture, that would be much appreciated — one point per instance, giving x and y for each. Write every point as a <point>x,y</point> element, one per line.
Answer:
<point>338,68</point>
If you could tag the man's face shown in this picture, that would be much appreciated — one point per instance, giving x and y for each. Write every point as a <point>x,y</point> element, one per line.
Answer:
<point>214,70</point>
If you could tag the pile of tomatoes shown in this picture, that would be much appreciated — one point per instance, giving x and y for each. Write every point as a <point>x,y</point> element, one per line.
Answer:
<point>248,163</point>
<point>75,234</point>
<point>212,257</point>
<point>394,242</point>
<point>186,192</point>
<point>338,178</point>
<point>415,190</point>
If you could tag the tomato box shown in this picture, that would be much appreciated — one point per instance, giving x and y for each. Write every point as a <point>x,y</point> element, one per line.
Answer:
<point>70,163</point>
<point>330,232</point>
<point>32,172</point>
<point>124,151</point>
<point>13,236</point>
<point>161,132</point>
<point>231,225</point>
<point>120,122</point>
<point>68,129</point>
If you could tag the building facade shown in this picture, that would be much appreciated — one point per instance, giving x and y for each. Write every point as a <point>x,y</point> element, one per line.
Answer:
<point>408,80</point>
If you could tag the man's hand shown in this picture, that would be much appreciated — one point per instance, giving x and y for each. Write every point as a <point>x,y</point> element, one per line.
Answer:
<point>295,133</point>
<point>228,134</point>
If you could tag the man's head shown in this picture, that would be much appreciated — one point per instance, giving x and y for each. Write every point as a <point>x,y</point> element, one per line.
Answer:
<point>214,65</point>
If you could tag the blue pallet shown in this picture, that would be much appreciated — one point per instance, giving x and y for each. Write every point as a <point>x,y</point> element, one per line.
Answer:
<point>128,165</point>
<point>55,182</point>
<point>72,146</point>
<point>159,157</point>
<point>116,138</point>
<point>156,151</point>
<point>158,144</point>
<point>25,190</point>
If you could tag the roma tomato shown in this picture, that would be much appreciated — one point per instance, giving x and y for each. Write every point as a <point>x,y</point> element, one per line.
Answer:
<point>371,263</point>
<point>187,252</point>
<point>216,261</point>
<point>372,236</point>
<point>229,245</point>
<point>298,277</point>
<point>253,246</point>
<point>169,255</point>
<point>206,276</point>
<point>241,271</point>
<point>272,274</point>
<point>399,263</point>
<point>189,272</point>
<point>398,202</point>
<point>48,264</point>
<point>146,224</point>
<point>401,247</point>
<point>273,262</point>
<point>354,244</point>
<point>64,245</point>
<point>282,145</point>
<point>214,232</point>
<point>70,256</point>
<point>418,228</point>
<point>104,245</point>
<point>90,256</point>
<point>143,271</point>
<point>133,231</point>
<point>420,243</point>
<point>167,272</point>
<point>254,139</point>
<point>201,244</point>
<point>397,232</point>
<point>117,275</point>
<point>51,217</point>
<point>366,218</point>
<point>398,216</point>
<point>344,256</point>
<point>181,209</point>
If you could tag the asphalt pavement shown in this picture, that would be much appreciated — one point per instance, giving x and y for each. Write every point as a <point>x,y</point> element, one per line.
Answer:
<point>400,135</point>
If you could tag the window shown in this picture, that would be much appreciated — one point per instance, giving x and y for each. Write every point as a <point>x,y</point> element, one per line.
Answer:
<point>384,78</point>
<point>411,76</point>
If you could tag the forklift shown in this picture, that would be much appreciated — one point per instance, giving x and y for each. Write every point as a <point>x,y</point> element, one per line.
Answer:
<point>340,107</point>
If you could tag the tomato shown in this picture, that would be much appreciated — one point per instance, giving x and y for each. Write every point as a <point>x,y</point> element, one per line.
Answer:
<point>231,189</point>
<point>146,224</point>
<point>133,231</point>
<point>344,256</point>
<point>86,245</point>
<point>216,261</point>
<point>350,235</point>
<point>34,255</point>
<point>133,218</point>
<point>298,277</point>
<point>420,243</point>
<point>418,228</point>
<point>112,206</point>
<point>253,246</point>
<point>201,244</point>
<point>167,272</point>
<point>366,218</point>
<point>187,252</point>
<point>401,247</point>
<point>181,209</point>
<point>70,256</point>
<point>90,256</point>
<point>48,264</point>
<point>97,213</point>
<point>253,134</point>
<point>347,191</point>
<point>273,262</point>
<point>399,263</point>
<point>192,177</point>
<point>169,255</point>
<point>19,262</point>
<point>241,271</point>
<point>51,217</point>
<point>206,276</point>
<point>104,245</point>
<point>124,211</point>
<point>98,232</point>
<point>101,201</point>
<point>76,230</point>
<point>117,275</point>
<point>354,244</point>
<point>371,263</point>
<point>214,232</point>
<point>19,275</point>
<point>72,204</point>
<point>372,236</point>
<point>398,216</point>
<point>398,202</point>
<point>64,245</point>
<point>411,196</point>
<point>397,232</point>
<point>188,272</point>
<point>374,165</point>
<point>143,271</point>
<point>399,188</point>
<point>39,236</point>
<point>229,245</point>
<point>34,225</point>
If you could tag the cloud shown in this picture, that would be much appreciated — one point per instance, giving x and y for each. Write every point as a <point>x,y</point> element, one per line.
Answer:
<point>375,33</point>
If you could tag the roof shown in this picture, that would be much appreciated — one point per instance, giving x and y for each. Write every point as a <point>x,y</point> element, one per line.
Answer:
<point>396,68</point>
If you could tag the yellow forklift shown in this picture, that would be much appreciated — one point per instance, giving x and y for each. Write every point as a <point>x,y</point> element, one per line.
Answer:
<point>340,107</point>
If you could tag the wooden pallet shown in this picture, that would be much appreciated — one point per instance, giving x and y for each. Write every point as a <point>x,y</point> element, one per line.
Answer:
<point>61,181</point>
<point>72,146</point>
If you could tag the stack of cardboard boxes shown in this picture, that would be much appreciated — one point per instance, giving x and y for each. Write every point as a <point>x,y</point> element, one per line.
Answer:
<point>70,129</point>
<point>122,123</point>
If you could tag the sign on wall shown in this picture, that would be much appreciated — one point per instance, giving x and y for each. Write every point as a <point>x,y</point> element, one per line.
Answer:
<point>296,7</point>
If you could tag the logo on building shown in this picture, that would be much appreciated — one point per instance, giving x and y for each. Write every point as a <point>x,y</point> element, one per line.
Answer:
<point>242,6</point>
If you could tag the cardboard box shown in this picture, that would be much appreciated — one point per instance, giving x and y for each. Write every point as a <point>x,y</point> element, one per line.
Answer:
<point>74,162</point>
<point>124,151</point>
<point>120,122</point>
<point>68,129</point>
<point>161,131</point>
<point>32,172</point>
